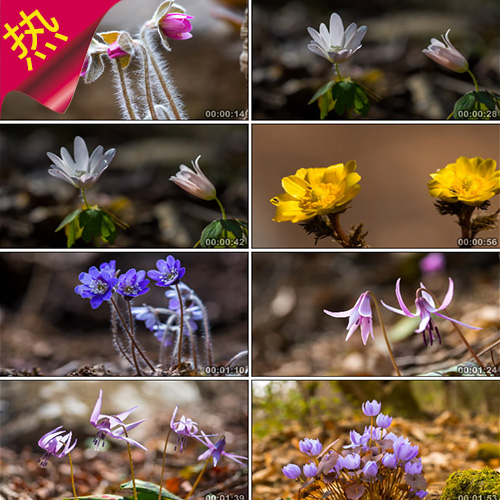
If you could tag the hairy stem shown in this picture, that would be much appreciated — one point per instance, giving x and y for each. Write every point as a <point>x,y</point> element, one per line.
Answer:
<point>206,329</point>
<point>193,346</point>
<point>147,83</point>
<point>181,331</point>
<point>387,343</point>
<point>123,85</point>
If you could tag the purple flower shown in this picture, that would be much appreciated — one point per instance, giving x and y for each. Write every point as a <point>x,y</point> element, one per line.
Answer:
<point>176,25</point>
<point>112,425</point>
<point>413,468</point>
<point>310,469</point>
<point>370,469</point>
<point>421,494</point>
<point>55,443</point>
<point>217,450</point>
<point>357,439</point>
<point>146,314</point>
<point>132,283</point>
<point>371,408</point>
<point>384,421</point>
<point>389,460</point>
<point>97,285</point>
<point>110,267</point>
<point>375,432</point>
<point>425,306</point>
<point>291,471</point>
<point>432,263</point>
<point>310,446</point>
<point>359,316</point>
<point>184,428</point>
<point>350,462</point>
<point>404,450</point>
<point>169,272</point>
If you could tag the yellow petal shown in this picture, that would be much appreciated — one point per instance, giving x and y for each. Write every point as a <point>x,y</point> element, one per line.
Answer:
<point>295,186</point>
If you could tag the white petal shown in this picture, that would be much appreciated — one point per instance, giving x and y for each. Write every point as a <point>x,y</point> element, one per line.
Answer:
<point>81,154</point>
<point>58,163</point>
<point>66,157</point>
<point>313,47</point>
<point>355,43</point>
<point>336,29</point>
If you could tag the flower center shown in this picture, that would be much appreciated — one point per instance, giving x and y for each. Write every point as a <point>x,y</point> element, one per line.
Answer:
<point>335,48</point>
<point>320,196</point>
<point>99,287</point>
<point>470,185</point>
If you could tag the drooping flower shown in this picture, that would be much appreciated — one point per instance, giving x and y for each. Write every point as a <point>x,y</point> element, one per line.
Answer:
<point>176,25</point>
<point>217,450</point>
<point>384,421</point>
<point>359,316</point>
<point>425,306</point>
<point>169,272</point>
<point>98,285</point>
<point>194,181</point>
<point>446,54</point>
<point>371,408</point>
<point>311,447</point>
<point>82,172</point>
<point>112,425</point>
<point>316,191</point>
<point>310,469</point>
<point>56,443</point>
<point>121,46</point>
<point>184,428</point>
<point>291,471</point>
<point>93,66</point>
<point>132,284</point>
<point>469,180</point>
<point>336,45</point>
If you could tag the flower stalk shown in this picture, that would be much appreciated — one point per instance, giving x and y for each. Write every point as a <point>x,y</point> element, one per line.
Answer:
<point>72,476</point>
<point>198,479</point>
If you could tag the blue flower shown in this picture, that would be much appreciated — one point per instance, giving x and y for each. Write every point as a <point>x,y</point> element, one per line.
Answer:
<point>310,446</point>
<point>169,272</point>
<point>97,285</point>
<point>384,421</point>
<point>147,315</point>
<point>132,283</point>
<point>370,469</point>
<point>310,469</point>
<point>291,471</point>
<point>371,408</point>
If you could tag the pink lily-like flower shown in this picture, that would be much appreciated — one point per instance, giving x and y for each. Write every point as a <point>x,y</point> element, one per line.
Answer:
<point>359,316</point>
<point>217,450</point>
<point>112,425</point>
<point>446,54</point>
<point>425,306</point>
<point>184,428</point>
<point>56,443</point>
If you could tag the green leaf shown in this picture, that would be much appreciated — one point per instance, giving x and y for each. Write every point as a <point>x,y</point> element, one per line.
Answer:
<point>343,93</point>
<point>108,229</point>
<point>91,223</point>
<point>224,233</point>
<point>73,232</point>
<point>232,226</point>
<point>325,104</point>
<point>69,218</point>
<point>361,101</point>
<point>322,91</point>
<point>149,491</point>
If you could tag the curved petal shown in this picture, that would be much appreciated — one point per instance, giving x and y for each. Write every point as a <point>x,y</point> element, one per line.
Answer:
<point>425,318</point>
<point>295,186</point>
<point>397,311</point>
<point>59,163</point>
<point>66,157</point>
<point>449,295</point>
<point>97,410</point>
<point>341,314</point>
<point>405,310</point>
<point>81,153</point>
<point>458,322</point>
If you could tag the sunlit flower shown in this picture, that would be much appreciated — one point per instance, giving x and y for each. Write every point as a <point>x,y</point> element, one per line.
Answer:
<point>446,54</point>
<point>121,46</point>
<point>311,447</point>
<point>336,45</point>
<point>371,408</point>
<point>194,181</point>
<point>425,306</point>
<point>316,191</point>
<point>310,469</point>
<point>359,316</point>
<point>291,471</point>
<point>370,469</point>
<point>112,425</point>
<point>176,25</point>
<point>83,171</point>
<point>384,421</point>
<point>56,443</point>
<point>469,180</point>
<point>350,461</point>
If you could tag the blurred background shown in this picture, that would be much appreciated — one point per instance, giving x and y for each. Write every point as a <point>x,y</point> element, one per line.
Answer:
<point>394,162</point>
<point>47,329</point>
<point>205,68</point>
<point>454,423</point>
<point>391,63</point>
<point>29,409</point>
<point>293,337</point>
<point>135,186</point>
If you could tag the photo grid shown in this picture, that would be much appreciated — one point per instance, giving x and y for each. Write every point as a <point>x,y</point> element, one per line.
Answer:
<point>257,257</point>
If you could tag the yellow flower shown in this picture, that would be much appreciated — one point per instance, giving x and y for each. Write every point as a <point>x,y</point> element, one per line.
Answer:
<point>316,191</point>
<point>469,180</point>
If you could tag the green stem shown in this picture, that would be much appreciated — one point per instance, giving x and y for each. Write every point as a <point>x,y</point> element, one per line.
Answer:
<point>221,208</point>
<point>163,462</point>
<point>72,476</point>
<point>85,198</point>
<point>198,478</point>
<point>473,79</point>
<point>181,332</point>
<point>387,343</point>
<point>337,69</point>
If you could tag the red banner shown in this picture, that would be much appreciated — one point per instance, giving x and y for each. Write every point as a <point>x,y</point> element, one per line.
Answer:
<point>43,44</point>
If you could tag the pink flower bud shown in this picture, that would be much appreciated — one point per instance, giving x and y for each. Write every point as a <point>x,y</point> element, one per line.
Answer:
<point>176,26</point>
<point>194,181</point>
<point>115,51</point>
<point>446,54</point>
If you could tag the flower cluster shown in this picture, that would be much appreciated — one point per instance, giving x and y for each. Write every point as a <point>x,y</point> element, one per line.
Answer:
<point>375,465</point>
<point>187,428</point>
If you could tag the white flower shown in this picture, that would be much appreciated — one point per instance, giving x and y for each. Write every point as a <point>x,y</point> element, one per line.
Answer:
<point>336,45</point>
<point>194,181</point>
<point>83,172</point>
<point>446,54</point>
